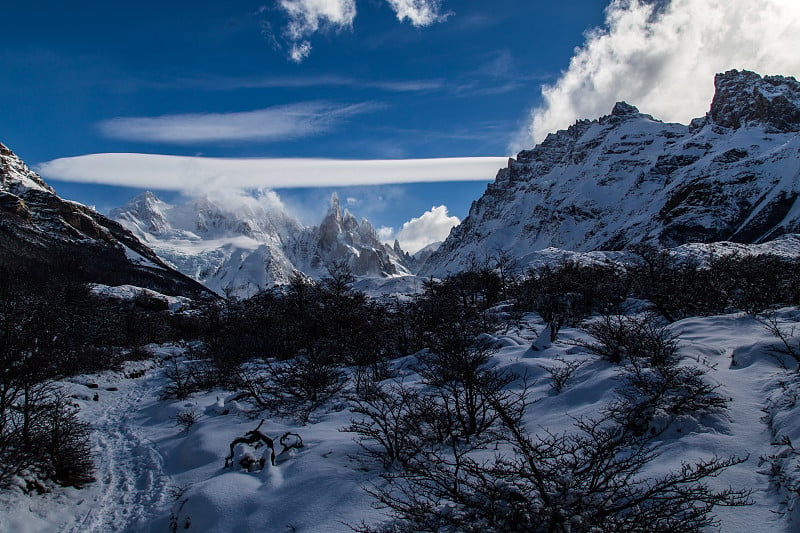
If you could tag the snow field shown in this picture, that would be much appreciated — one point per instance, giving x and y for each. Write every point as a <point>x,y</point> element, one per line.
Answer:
<point>152,476</point>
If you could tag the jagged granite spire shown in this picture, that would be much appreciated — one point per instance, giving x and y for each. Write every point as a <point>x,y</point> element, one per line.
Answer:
<point>744,98</point>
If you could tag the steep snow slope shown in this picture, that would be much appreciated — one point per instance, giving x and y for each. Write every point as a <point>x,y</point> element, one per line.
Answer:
<point>244,244</point>
<point>627,178</point>
<point>40,230</point>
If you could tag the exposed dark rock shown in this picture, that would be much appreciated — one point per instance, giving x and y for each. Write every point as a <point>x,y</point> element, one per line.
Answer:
<point>40,230</point>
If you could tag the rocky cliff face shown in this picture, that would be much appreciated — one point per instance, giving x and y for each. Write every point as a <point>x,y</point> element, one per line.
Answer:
<point>341,237</point>
<point>626,178</point>
<point>245,244</point>
<point>40,230</point>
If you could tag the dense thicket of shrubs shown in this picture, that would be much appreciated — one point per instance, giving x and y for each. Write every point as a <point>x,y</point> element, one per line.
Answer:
<point>310,331</point>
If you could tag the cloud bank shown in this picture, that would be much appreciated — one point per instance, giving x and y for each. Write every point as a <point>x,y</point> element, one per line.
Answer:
<point>661,55</point>
<point>275,123</point>
<point>185,174</point>
<point>432,226</point>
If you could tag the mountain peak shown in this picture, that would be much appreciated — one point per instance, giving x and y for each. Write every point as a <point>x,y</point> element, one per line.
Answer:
<point>335,206</point>
<point>744,98</point>
<point>145,209</point>
<point>623,109</point>
<point>16,177</point>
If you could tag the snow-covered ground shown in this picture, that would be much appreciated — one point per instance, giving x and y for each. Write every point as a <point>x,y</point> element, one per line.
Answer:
<point>153,476</point>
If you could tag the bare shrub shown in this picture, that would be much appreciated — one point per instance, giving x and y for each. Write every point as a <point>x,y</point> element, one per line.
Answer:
<point>296,387</point>
<point>186,418</point>
<point>390,425</point>
<point>622,337</point>
<point>42,435</point>
<point>181,380</point>
<point>68,447</point>
<point>788,344</point>
<point>462,379</point>
<point>664,393</point>
<point>590,479</point>
<point>561,374</point>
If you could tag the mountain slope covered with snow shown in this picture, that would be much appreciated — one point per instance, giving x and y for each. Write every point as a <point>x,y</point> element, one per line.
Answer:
<point>40,230</point>
<point>627,178</point>
<point>244,244</point>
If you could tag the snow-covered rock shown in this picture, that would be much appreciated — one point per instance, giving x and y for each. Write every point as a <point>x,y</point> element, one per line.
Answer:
<point>626,178</point>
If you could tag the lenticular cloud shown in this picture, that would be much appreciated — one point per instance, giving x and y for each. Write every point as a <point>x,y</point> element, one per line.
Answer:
<point>661,55</point>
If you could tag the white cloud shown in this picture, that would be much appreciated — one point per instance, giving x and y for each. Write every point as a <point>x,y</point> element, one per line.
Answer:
<point>386,233</point>
<point>661,55</point>
<point>304,18</point>
<point>182,173</point>
<point>299,51</point>
<point>271,124</point>
<point>419,13</point>
<point>307,17</point>
<point>432,226</point>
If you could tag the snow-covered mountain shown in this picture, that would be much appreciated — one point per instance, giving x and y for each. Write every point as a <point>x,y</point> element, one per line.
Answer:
<point>40,230</point>
<point>625,178</point>
<point>243,244</point>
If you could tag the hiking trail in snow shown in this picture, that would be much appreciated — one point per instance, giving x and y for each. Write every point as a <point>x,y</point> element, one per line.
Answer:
<point>131,484</point>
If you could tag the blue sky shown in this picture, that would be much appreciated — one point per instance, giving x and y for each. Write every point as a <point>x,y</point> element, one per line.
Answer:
<point>354,80</point>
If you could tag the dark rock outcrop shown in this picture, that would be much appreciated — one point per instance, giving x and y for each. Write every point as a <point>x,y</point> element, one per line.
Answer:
<point>39,230</point>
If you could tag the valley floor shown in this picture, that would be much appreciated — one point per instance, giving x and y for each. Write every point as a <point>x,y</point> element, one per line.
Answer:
<point>153,476</point>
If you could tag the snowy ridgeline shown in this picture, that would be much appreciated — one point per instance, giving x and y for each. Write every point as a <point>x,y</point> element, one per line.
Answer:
<point>161,463</point>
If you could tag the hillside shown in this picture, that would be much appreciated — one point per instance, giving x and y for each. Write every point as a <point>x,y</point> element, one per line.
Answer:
<point>39,230</point>
<point>627,178</point>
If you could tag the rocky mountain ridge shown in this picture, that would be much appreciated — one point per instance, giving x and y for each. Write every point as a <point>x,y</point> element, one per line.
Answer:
<point>627,178</point>
<point>250,243</point>
<point>40,230</point>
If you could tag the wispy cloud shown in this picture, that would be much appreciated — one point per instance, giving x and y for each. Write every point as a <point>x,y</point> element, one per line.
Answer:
<point>661,55</point>
<point>231,83</point>
<point>419,13</point>
<point>271,124</point>
<point>430,227</point>
<point>181,173</point>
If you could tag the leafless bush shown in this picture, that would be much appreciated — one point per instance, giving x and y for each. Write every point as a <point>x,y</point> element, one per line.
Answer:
<point>620,337</point>
<point>67,444</point>
<point>187,377</point>
<point>367,378</point>
<point>560,374</point>
<point>663,393</point>
<point>590,479</point>
<point>390,425</point>
<point>462,380</point>
<point>295,387</point>
<point>788,345</point>
<point>186,418</point>
<point>40,434</point>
